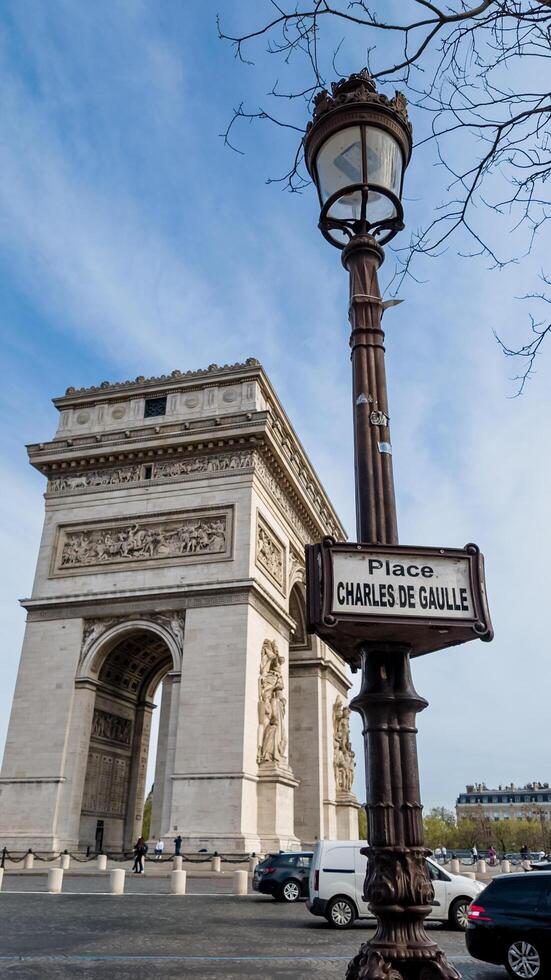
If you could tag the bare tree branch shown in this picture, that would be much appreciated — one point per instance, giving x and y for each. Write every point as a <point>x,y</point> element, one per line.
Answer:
<point>464,67</point>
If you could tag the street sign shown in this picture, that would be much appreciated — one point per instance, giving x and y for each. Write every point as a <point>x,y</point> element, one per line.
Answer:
<point>427,598</point>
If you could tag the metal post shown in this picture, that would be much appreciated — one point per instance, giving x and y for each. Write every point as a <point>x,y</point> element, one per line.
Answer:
<point>397,885</point>
<point>375,502</point>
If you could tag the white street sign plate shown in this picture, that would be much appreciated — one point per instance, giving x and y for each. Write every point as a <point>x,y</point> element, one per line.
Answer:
<point>409,585</point>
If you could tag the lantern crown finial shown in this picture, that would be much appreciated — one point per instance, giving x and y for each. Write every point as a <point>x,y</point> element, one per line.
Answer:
<point>358,87</point>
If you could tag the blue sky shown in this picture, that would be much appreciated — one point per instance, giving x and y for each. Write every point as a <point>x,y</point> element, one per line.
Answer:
<point>133,242</point>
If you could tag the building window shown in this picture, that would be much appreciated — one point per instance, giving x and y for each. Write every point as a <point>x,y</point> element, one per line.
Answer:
<point>154,406</point>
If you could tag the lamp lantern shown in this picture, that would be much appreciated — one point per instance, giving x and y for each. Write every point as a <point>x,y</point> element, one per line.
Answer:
<point>357,148</point>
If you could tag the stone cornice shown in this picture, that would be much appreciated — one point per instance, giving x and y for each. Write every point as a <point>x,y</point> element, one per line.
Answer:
<point>321,666</point>
<point>88,450</point>
<point>134,386</point>
<point>153,599</point>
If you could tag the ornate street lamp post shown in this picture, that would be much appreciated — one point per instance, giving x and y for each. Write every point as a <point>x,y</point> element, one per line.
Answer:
<point>357,149</point>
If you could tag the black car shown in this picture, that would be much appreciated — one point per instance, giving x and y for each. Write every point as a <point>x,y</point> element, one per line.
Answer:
<point>284,875</point>
<point>510,925</point>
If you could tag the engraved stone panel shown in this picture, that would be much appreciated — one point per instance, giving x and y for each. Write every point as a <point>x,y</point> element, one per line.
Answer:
<point>106,786</point>
<point>183,537</point>
<point>270,553</point>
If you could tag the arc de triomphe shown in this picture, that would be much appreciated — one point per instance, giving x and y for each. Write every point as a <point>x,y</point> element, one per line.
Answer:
<point>177,509</point>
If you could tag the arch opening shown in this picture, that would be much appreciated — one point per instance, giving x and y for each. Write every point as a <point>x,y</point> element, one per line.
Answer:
<point>299,639</point>
<point>129,672</point>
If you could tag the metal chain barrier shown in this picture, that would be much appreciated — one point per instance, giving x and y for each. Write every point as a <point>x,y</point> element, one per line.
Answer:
<point>48,856</point>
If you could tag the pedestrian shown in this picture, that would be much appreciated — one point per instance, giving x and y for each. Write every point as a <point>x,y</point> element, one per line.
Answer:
<point>438,854</point>
<point>444,854</point>
<point>491,854</point>
<point>140,850</point>
<point>159,848</point>
<point>474,853</point>
<point>177,844</point>
<point>525,853</point>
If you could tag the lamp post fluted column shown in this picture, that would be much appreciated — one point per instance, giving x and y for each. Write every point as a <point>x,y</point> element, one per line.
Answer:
<point>375,501</point>
<point>397,885</point>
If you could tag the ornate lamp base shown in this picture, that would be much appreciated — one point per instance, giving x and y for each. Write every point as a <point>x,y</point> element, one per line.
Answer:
<point>397,886</point>
<point>373,964</point>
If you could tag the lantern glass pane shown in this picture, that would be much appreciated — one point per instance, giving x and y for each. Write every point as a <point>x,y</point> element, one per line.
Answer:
<point>379,208</point>
<point>339,162</point>
<point>346,208</point>
<point>384,160</point>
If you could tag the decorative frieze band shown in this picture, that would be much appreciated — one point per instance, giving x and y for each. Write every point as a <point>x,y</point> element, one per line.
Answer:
<point>280,496</point>
<point>188,537</point>
<point>122,476</point>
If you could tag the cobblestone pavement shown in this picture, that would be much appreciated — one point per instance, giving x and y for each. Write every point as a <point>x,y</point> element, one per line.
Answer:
<point>204,937</point>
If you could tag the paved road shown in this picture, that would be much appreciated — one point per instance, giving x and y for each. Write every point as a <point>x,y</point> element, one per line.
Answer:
<point>204,937</point>
<point>133,884</point>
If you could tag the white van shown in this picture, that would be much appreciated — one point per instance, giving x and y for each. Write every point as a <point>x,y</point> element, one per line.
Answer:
<point>337,880</point>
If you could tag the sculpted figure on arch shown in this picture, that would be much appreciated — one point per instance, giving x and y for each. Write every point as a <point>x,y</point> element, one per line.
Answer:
<point>272,740</point>
<point>343,754</point>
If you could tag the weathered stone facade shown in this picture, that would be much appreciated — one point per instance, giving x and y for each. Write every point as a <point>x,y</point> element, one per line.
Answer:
<point>177,509</point>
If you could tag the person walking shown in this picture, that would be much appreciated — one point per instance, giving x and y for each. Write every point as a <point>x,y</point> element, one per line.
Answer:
<point>444,854</point>
<point>177,845</point>
<point>438,854</point>
<point>159,848</point>
<point>491,854</point>
<point>474,853</point>
<point>140,850</point>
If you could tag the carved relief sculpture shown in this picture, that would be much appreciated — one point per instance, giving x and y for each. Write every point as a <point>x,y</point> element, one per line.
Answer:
<point>272,739</point>
<point>343,755</point>
<point>113,728</point>
<point>122,475</point>
<point>130,542</point>
<point>173,621</point>
<point>270,553</point>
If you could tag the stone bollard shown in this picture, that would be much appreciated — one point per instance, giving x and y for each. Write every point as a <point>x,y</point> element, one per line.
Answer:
<point>64,861</point>
<point>117,881</point>
<point>28,863</point>
<point>215,863</point>
<point>526,865</point>
<point>1,877</point>
<point>177,862</point>
<point>178,882</point>
<point>55,880</point>
<point>505,866</point>
<point>481,867</point>
<point>240,882</point>
<point>468,874</point>
<point>102,862</point>
<point>455,867</point>
<point>253,861</point>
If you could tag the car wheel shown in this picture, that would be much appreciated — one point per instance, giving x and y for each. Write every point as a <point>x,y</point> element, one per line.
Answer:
<point>458,913</point>
<point>524,961</point>
<point>290,890</point>
<point>341,913</point>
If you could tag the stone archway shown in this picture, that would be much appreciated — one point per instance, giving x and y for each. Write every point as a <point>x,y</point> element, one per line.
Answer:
<point>126,665</point>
